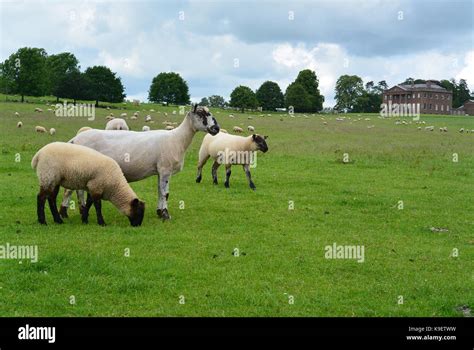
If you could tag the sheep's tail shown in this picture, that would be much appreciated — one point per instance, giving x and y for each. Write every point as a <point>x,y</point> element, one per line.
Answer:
<point>34,161</point>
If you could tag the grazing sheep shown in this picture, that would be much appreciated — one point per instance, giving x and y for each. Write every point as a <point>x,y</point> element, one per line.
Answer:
<point>157,152</point>
<point>109,117</point>
<point>84,128</point>
<point>52,131</point>
<point>419,128</point>
<point>146,128</point>
<point>117,124</point>
<point>78,167</point>
<point>224,131</point>
<point>148,118</point>
<point>237,129</point>
<point>461,130</point>
<point>429,128</point>
<point>17,114</point>
<point>39,110</point>
<point>123,115</point>
<point>19,124</point>
<point>250,128</point>
<point>133,117</point>
<point>169,127</point>
<point>40,129</point>
<point>231,116</point>
<point>228,150</point>
<point>249,118</point>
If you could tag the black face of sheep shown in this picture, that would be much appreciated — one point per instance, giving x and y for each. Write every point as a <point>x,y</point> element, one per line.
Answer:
<point>261,143</point>
<point>137,212</point>
<point>207,119</point>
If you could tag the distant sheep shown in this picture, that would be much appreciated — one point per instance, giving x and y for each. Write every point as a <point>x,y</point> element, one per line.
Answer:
<point>250,128</point>
<point>19,124</point>
<point>224,131</point>
<point>429,128</point>
<point>81,168</point>
<point>169,127</point>
<point>40,129</point>
<point>117,124</point>
<point>123,115</point>
<point>17,114</point>
<point>146,128</point>
<point>39,110</point>
<point>461,130</point>
<point>148,118</point>
<point>237,129</point>
<point>52,131</point>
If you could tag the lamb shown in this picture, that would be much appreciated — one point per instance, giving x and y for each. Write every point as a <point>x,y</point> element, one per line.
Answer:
<point>52,131</point>
<point>238,129</point>
<point>144,154</point>
<point>19,124</point>
<point>40,129</point>
<point>117,124</point>
<point>230,149</point>
<point>250,128</point>
<point>146,128</point>
<point>78,167</point>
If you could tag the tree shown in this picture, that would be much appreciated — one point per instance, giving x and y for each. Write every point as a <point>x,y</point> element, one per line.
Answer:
<point>169,88</point>
<point>382,85</point>
<point>462,93</point>
<point>297,97</point>
<point>348,89</point>
<point>409,81</point>
<point>73,85</point>
<point>367,102</point>
<point>25,73</point>
<point>103,85</point>
<point>58,67</point>
<point>309,81</point>
<point>204,102</point>
<point>217,101</point>
<point>243,97</point>
<point>269,96</point>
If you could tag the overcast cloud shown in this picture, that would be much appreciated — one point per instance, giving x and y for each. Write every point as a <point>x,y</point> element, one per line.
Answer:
<point>272,40</point>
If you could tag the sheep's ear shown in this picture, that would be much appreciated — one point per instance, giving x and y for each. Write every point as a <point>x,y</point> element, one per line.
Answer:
<point>195,108</point>
<point>265,137</point>
<point>135,202</point>
<point>253,137</point>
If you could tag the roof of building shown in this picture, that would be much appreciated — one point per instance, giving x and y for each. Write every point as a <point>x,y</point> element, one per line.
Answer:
<point>428,86</point>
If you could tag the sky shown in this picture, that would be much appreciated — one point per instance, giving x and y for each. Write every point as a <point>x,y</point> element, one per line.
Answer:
<point>218,45</point>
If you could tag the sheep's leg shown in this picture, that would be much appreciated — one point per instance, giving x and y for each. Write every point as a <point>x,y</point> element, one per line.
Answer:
<point>65,203</point>
<point>162,210</point>
<point>202,161</point>
<point>215,166</point>
<point>98,209</point>
<point>85,210</point>
<point>41,200</point>
<point>249,177</point>
<point>53,206</point>
<point>81,199</point>
<point>227,175</point>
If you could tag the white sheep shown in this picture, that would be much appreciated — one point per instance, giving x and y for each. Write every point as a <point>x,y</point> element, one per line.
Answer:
<point>133,117</point>
<point>250,128</point>
<point>146,128</point>
<point>429,128</point>
<point>40,129</point>
<point>17,114</point>
<point>169,127</point>
<point>123,115</point>
<point>52,131</point>
<point>78,167</point>
<point>39,110</point>
<point>237,129</point>
<point>461,130</point>
<point>117,124</point>
<point>228,150</point>
<point>148,118</point>
<point>19,124</point>
<point>109,117</point>
<point>157,152</point>
<point>224,131</point>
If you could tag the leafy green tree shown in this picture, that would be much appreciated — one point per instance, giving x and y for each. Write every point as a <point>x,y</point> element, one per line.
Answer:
<point>217,101</point>
<point>308,79</point>
<point>381,86</point>
<point>58,67</point>
<point>243,97</point>
<point>73,85</point>
<point>204,102</point>
<point>269,96</point>
<point>462,93</point>
<point>103,85</point>
<point>298,98</point>
<point>169,88</point>
<point>25,72</point>
<point>348,89</point>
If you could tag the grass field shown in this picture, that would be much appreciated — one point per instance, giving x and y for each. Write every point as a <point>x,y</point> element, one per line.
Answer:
<point>189,266</point>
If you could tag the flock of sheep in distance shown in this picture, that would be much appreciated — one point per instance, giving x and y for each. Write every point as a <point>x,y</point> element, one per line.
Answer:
<point>101,163</point>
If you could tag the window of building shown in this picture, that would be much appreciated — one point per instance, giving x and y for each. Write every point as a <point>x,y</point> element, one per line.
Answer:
<point>385,97</point>
<point>424,105</point>
<point>424,95</point>
<point>429,106</point>
<point>436,107</point>
<point>413,96</point>
<point>409,96</point>
<point>419,95</point>
<point>442,108</point>
<point>442,97</point>
<point>431,95</point>
<point>447,108</point>
<point>436,96</point>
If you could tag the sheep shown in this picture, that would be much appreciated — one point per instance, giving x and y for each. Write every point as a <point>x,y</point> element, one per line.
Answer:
<point>78,167</point>
<point>429,128</point>
<point>19,124</point>
<point>250,128</point>
<point>228,150</point>
<point>84,128</point>
<point>123,115</point>
<point>148,118</point>
<point>17,114</point>
<point>249,117</point>
<point>117,124</point>
<point>169,127</point>
<point>237,129</point>
<point>40,129</point>
<point>52,131</point>
<point>157,152</point>
<point>146,128</point>
<point>39,110</point>
<point>461,130</point>
<point>224,131</point>
<point>133,117</point>
<point>231,116</point>
<point>109,117</point>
